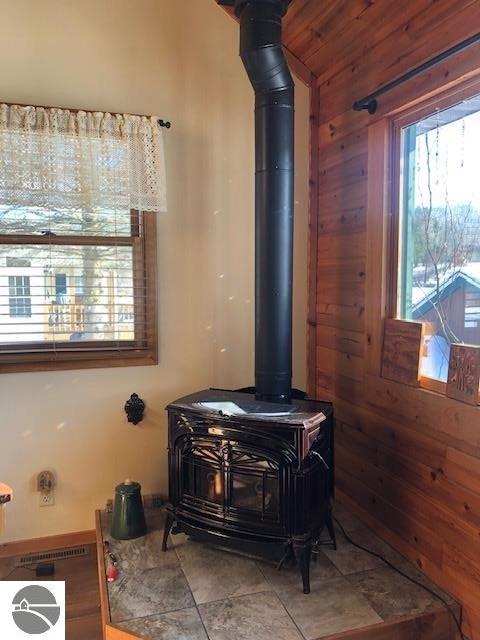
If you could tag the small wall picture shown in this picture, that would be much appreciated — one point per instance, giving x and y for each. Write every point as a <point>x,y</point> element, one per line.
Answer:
<point>464,373</point>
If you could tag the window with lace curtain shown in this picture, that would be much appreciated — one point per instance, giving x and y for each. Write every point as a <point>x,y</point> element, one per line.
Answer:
<point>79,192</point>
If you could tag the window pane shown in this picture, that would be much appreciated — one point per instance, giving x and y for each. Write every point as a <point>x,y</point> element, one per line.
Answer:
<point>439,257</point>
<point>66,293</point>
<point>69,222</point>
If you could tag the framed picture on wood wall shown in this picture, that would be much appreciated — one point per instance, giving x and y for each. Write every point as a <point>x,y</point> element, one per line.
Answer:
<point>464,373</point>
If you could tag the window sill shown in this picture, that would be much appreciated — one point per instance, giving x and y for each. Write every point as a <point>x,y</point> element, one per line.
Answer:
<point>437,386</point>
<point>107,359</point>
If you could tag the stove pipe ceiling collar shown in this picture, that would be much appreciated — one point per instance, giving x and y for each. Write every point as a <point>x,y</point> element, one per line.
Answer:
<point>264,60</point>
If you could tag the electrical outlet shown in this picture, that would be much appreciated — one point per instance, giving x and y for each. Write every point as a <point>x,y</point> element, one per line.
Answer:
<point>47,499</point>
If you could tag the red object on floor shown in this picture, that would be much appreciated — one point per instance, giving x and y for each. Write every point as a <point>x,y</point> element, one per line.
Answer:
<point>112,573</point>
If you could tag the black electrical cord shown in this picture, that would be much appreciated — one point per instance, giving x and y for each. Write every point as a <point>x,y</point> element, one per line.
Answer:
<point>458,623</point>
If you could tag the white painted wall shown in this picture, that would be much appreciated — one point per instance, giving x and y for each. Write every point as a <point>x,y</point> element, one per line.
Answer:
<point>178,60</point>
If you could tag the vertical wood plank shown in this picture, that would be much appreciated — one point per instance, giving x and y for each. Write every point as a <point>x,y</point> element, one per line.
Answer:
<point>313,243</point>
<point>376,263</point>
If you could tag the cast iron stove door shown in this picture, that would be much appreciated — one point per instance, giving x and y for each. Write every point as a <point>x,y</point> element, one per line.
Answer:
<point>234,481</point>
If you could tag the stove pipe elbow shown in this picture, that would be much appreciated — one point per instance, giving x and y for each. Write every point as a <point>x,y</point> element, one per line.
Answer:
<point>261,45</point>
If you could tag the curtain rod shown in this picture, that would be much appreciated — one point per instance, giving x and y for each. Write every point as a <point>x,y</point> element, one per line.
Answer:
<point>370,102</point>
<point>161,123</point>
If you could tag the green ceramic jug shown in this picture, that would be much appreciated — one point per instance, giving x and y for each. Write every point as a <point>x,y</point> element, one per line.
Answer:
<point>128,518</point>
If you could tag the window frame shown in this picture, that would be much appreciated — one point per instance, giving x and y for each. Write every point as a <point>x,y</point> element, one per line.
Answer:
<point>382,228</point>
<point>439,102</point>
<point>99,354</point>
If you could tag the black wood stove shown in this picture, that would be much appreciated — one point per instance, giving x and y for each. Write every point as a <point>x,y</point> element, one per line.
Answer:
<point>248,474</point>
<point>255,470</point>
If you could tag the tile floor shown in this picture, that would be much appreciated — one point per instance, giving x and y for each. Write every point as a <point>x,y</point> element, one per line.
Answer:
<point>196,592</point>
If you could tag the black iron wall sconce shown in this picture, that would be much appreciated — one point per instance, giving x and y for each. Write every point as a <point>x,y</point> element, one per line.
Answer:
<point>134,408</point>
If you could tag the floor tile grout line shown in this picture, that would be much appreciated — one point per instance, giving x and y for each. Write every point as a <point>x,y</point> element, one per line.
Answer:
<point>344,574</point>
<point>207,635</point>
<point>330,562</point>
<point>379,568</point>
<point>230,596</point>
<point>430,584</point>
<point>152,615</point>
<point>365,597</point>
<point>429,607</point>
<point>271,592</point>
<point>341,576</point>
<point>159,613</point>
<point>282,605</point>
<point>235,597</point>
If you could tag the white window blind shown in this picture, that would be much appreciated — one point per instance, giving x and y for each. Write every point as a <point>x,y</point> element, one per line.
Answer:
<point>74,256</point>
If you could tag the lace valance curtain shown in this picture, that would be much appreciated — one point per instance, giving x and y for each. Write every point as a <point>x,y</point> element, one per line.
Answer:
<point>59,159</point>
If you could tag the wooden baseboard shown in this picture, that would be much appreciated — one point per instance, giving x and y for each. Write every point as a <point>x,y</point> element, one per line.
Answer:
<point>115,633</point>
<point>102,580</point>
<point>48,543</point>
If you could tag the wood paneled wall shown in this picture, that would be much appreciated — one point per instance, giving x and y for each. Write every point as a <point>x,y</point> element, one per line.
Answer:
<point>408,461</point>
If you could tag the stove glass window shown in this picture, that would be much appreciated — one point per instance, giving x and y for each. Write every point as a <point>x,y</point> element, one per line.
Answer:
<point>255,492</point>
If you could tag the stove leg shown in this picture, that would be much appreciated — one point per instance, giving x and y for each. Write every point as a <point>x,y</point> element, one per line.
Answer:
<point>315,545</point>
<point>169,520</point>
<point>303,552</point>
<point>331,529</point>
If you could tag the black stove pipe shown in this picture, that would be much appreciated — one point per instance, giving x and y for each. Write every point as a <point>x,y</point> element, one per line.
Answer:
<point>262,55</point>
